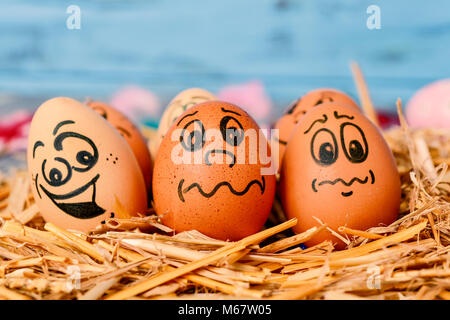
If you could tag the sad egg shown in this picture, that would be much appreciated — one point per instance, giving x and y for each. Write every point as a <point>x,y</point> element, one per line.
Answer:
<point>286,124</point>
<point>212,173</point>
<point>81,167</point>
<point>338,168</point>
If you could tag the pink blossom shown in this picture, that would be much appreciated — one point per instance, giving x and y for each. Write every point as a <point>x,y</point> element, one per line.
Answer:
<point>250,96</point>
<point>136,102</point>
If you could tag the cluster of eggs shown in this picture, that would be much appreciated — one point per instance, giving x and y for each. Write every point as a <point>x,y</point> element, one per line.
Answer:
<point>210,166</point>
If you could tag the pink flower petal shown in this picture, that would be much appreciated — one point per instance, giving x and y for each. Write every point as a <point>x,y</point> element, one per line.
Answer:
<point>250,96</point>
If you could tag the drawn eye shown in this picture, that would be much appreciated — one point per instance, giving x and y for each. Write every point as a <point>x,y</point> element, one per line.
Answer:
<point>86,159</point>
<point>324,148</point>
<point>193,136</point>
<point>232,130</point>
<point>55,176</point>
<point>354,142</point>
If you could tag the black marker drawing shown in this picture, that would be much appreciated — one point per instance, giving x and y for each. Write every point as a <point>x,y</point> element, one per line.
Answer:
<point>339,116</point>
<point>325,118</point>
<point>62,123</point>
<point>181,191</point>
<point>188,115</point>
<point>328,151</point>
<point>196,139</point>
<point>232,135</point>
<point>80,210</point>
<point>61,175</point>
<point>355,152</point>
<point>230,111</point>
<point>36,145</point>
<point>214,151</point>
<point>348,184</point>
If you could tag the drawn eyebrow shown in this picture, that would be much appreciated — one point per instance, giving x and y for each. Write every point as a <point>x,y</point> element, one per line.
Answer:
<point>325,118</point>
<point>62,123</point>
<point>37,144</point>
<point>188,115</point>
<point>225,110</point>
<point>337,116</point>
<point>200,97</point>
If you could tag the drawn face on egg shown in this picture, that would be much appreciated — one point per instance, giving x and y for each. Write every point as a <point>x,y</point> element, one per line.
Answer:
<point>209,173</point>
<point>230,123</point>
<point>343,139</point>
<point>300,107</point>
<point>122,124</point>
<point>60,168</point>
<point>338,168</point>
<point>81,168</point>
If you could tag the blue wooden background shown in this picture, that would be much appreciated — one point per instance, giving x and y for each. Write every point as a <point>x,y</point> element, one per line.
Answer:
<point>290,45</point>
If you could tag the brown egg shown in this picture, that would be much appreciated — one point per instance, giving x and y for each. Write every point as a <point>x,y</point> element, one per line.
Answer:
<point>80,165</point>
<point>184,100</point>
<point>132,135</point>
<point>297,110</point>
<point>212,173</point>
<point>339,169</point>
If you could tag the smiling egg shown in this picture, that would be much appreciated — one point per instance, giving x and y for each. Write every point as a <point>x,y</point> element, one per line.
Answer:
<point>180,103</point>
<point>295,112</point>
<point>213,173</point>
<point>339,169</point>
<point>132,136</point>
<point>81,168</point>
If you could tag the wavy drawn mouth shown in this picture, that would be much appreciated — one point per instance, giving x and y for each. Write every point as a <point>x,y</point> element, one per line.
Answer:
<point>181,191</point>
<point>81,209</point>
<point>348,184</point>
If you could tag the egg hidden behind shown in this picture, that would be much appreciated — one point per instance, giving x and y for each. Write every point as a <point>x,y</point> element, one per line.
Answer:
<point>179,104</point>
<point>295,112</point>
<point>132,136</point>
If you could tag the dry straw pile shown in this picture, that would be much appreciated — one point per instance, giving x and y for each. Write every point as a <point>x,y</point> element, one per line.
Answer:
<point>142,259</point>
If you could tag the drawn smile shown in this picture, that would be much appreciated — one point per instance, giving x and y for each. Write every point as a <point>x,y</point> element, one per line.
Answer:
<point>348,184</point>
<point>181,191</point>
<point>77,209</point>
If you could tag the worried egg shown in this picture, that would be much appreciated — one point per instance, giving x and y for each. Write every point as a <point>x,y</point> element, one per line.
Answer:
<point>338,168</point>
<point>286,124</point>
<point>132,136</point>
<point>81,168</point>
<point>184,100</point>
<point>213,173</point>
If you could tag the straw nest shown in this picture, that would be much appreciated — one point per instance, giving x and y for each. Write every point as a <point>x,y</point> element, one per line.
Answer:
<point>142,259</point>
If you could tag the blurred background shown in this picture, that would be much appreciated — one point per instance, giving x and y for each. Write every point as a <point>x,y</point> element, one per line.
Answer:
<point>273,49</point>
